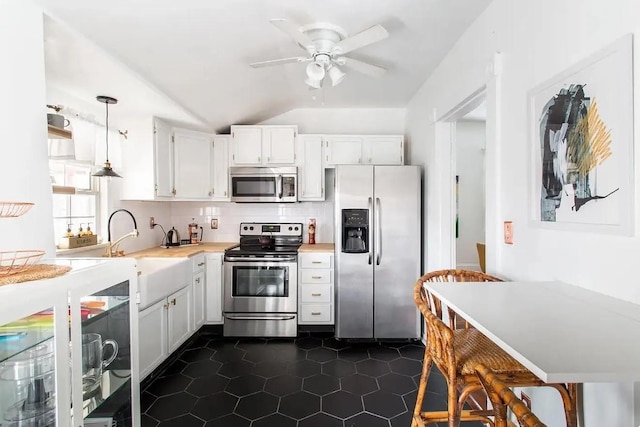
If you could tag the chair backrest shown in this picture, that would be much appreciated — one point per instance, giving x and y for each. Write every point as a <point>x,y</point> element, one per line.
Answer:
<point>501,394</point>
<point>482,256</point>
<point>439,337</point>
<point>453,276</point>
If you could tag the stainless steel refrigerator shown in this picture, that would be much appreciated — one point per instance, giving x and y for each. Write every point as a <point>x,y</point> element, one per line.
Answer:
<point>377,258</point>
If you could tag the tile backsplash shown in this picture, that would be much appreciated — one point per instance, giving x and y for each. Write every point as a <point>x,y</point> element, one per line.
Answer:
<point>230,215</point>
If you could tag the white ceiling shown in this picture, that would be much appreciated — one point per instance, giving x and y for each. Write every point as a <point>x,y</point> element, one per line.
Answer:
<point>196,52</point>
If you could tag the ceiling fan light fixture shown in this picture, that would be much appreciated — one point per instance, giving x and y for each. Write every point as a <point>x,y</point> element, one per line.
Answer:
<point>336,75</point>
<point>316,84</point>
<point>315,71</point>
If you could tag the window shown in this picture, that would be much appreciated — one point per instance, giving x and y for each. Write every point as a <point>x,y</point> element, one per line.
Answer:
<point>75,197</point>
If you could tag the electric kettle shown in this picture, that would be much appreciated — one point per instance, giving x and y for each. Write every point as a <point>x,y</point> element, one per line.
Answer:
<point>173,238</point>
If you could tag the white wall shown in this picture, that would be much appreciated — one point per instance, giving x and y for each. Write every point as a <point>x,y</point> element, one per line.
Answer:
<point>343,120</point>
<point>537,40</point>
<point>24,170</point>
<point>470,142</point>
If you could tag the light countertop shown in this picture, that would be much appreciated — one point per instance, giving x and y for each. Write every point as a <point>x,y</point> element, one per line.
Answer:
<point>182,251</point>
<point>318,247</point>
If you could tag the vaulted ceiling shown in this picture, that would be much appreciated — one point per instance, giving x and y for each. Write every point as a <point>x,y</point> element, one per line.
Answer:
<point>196,52</point>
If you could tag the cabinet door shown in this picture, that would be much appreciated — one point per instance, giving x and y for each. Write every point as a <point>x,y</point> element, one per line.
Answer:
<point>192,151</point>
<point>311,173</point>
<point>343,150</point>
<point>220,164</point>
<point>214,288</point>
<point>163,159</point>
<point>279,145</point>
<point>384,150</point>
<point>179,318</point>
<point>152,323</point>
<point>246,145</point>
<point>199,298</point>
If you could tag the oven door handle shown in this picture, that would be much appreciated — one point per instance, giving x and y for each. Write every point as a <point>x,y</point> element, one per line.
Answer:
<point>259,318</point>
<point>260,259</point>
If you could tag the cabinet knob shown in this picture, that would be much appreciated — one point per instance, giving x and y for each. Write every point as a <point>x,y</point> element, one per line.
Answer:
<point>200,264</point>
<point>165,306</point>
<point>210,193</point>
<point>316,294</point>
<point>316,313</point>
<point>316,262</point>
<point>268,159</point>
<point>316,277</point>
<point>258,159</point>
<point>198,280</point>
<point>173,192</point>
<point>369,159</point>
<point>173,301</point>
<point>360,160</point>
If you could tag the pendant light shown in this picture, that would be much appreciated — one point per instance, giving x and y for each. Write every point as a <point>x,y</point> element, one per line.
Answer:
<point>106,169</point>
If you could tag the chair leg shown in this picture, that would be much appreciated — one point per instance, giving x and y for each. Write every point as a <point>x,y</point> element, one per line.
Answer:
<point>452,403</point>
<point>422,388</point>
<point>569,395</point>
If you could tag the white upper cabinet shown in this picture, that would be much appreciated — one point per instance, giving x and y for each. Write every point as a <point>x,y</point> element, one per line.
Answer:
<point>163,164</point>
<point>364,149</point>
<point>263,145</point>
<point>192,161</point>
<point>383,149</point>
<point>343,149</point>
<point>220,163</point>
<point>246,145</point>
<point>279,145</point>
<point>311,174</point>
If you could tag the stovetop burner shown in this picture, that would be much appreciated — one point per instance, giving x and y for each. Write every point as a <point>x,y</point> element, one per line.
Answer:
<point>286,239</point>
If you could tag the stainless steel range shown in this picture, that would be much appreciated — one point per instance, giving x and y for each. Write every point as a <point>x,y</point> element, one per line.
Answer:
<point>261,281</point>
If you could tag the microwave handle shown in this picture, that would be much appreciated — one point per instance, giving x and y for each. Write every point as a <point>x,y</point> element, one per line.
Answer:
<point>281,191</point>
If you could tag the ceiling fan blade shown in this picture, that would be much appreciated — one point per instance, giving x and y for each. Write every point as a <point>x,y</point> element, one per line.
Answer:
<point>279,61</point>
<point>293,30</point>
<point>363,38</point>
<point>362,67</point>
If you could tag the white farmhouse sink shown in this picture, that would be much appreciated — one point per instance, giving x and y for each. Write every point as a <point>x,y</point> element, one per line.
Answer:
<point>160,277</point>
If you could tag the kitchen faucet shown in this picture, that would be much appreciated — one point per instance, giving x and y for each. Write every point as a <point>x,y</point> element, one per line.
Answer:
<point>112,247</point>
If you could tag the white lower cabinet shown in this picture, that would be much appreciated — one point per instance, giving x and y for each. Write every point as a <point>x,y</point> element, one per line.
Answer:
<point>163,327</point>
<point>199,291</point>
<point>214,292</point>
<point>315,288</point>
<point>153,337</point>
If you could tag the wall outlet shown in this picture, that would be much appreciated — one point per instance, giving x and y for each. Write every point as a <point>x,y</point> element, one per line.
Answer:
<point>214,223</point>
<point>525,399</point>
<point>508,232</point>
<point>152,223</point>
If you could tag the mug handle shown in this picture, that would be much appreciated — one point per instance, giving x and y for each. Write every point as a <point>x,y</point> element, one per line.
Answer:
<point>114,344</point>
<point>66,123</point>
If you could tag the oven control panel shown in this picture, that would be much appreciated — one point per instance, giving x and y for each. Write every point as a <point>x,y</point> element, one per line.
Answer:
<point>270,229</point>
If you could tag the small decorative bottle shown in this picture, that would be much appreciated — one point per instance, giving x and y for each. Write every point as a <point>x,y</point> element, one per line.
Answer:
<point>312,231</point>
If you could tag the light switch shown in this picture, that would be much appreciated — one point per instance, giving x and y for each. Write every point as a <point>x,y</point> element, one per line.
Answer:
<point>508,232</point>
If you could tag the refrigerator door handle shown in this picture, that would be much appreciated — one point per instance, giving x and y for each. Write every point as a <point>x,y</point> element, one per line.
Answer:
<point>370,231</point>
<point>378,232</point>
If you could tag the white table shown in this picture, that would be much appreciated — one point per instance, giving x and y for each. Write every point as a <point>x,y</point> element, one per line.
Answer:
<point>561,332</point>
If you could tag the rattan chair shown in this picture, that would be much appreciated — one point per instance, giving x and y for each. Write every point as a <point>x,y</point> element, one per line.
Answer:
<point>502,397</point>
<point>456,353</point>
<point>455,276</point>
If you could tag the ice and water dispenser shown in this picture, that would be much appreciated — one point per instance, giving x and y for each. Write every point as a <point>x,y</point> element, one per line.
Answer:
<point>355,231</point>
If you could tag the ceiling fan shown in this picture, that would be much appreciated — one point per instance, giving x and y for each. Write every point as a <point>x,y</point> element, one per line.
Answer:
<point>326,45</point>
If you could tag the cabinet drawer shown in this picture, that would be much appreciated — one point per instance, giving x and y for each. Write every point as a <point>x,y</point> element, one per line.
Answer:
<point>315,261</point>
<point>315,276</point>
<point>315,312</point>
<point>198,263</point>
<point>315,293</point>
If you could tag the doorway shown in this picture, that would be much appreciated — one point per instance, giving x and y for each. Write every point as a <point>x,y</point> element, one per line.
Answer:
<point>469,151</point>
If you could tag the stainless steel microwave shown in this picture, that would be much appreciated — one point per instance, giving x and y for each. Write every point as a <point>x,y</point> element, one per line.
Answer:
<point>264,184</point>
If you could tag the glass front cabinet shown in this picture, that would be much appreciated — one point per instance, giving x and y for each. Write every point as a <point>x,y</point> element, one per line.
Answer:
<point>66,357</point>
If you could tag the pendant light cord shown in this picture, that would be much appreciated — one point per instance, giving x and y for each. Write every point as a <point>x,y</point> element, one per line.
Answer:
<point>106,135</point>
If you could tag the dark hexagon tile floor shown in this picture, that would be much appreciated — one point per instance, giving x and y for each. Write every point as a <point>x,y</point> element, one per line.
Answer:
<point>314,380</point>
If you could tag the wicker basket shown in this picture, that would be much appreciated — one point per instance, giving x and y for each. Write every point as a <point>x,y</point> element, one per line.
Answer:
<point>14,209</point>
<point>12,262</point>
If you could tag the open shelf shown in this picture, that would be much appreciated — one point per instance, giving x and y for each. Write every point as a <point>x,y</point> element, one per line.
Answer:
<point>58,133</point>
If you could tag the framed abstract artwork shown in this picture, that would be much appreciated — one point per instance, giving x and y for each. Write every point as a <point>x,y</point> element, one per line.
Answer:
<point>581,138</point>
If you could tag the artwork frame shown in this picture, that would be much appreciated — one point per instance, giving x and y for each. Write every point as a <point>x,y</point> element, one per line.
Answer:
<point>581,175</point>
